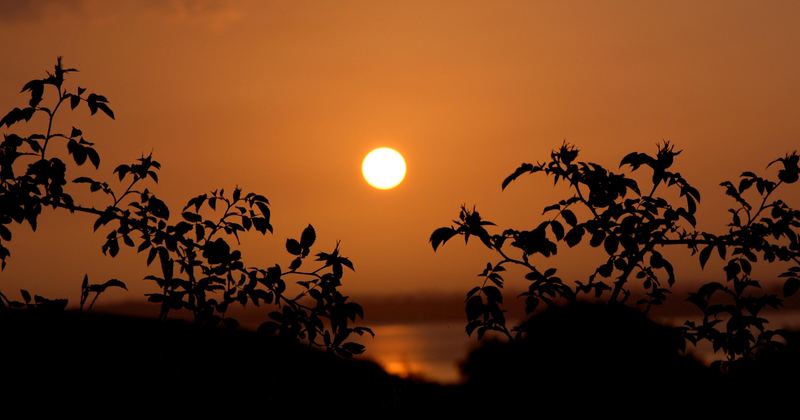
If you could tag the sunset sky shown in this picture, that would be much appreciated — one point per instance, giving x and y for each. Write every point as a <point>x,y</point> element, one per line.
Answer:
<point>286,98</point>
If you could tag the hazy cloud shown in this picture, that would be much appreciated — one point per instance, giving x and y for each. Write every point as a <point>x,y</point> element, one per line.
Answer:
<point>214,11</point>
<point>217,13</point>
<point>32,10</point>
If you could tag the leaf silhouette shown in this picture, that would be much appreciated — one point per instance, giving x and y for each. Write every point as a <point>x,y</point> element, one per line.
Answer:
<point>440,236</point>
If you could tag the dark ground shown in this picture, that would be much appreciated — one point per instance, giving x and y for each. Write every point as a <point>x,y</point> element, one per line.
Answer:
<point>584,358</point>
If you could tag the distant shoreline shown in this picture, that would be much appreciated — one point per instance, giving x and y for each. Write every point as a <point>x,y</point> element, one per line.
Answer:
<point>422,308</point>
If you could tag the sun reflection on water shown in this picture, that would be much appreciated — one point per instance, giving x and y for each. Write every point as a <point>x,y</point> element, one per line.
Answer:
<point>429,351</point>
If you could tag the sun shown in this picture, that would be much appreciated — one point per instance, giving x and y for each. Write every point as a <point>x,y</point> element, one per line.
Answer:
<point>384,168</point>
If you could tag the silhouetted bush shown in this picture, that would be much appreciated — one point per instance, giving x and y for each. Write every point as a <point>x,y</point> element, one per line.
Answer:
<point>72,362</point>
<point>586,351</point>
<point>201,269</point>
<point>633,225</point>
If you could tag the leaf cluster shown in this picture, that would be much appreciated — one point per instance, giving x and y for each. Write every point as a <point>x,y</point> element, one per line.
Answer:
<point>632,226</point>
<point>199,266</point>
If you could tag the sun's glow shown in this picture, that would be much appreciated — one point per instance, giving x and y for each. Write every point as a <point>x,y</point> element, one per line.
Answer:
<point>384,168</point>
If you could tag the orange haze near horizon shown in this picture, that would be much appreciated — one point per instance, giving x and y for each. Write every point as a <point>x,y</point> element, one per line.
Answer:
<point>285,99</point>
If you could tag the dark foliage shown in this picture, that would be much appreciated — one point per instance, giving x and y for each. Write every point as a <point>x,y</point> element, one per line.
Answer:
<point>583,358</point>
<point>569,349</point>
<point>200,268</point>
<point>93,363</point>
<point>632,226</point>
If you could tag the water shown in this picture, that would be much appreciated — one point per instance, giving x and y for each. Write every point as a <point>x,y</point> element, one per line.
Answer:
<point>433,350</point>
<point>426,350</point>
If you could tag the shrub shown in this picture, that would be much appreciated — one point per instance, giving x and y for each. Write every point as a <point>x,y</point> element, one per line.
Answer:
<point>632,225</point>
<point>200,268</point>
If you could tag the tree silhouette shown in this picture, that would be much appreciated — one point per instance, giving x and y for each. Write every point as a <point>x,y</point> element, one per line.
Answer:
<point>633,225</point>
<point>200,269</point>
<point>589,353</point>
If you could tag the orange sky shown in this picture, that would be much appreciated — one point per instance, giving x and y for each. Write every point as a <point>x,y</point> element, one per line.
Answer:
<point>285,98</point>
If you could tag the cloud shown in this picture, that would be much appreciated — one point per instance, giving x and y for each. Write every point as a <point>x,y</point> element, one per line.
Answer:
<point>187,8</point>
<point>214,12</point>
<point>34,10</point>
